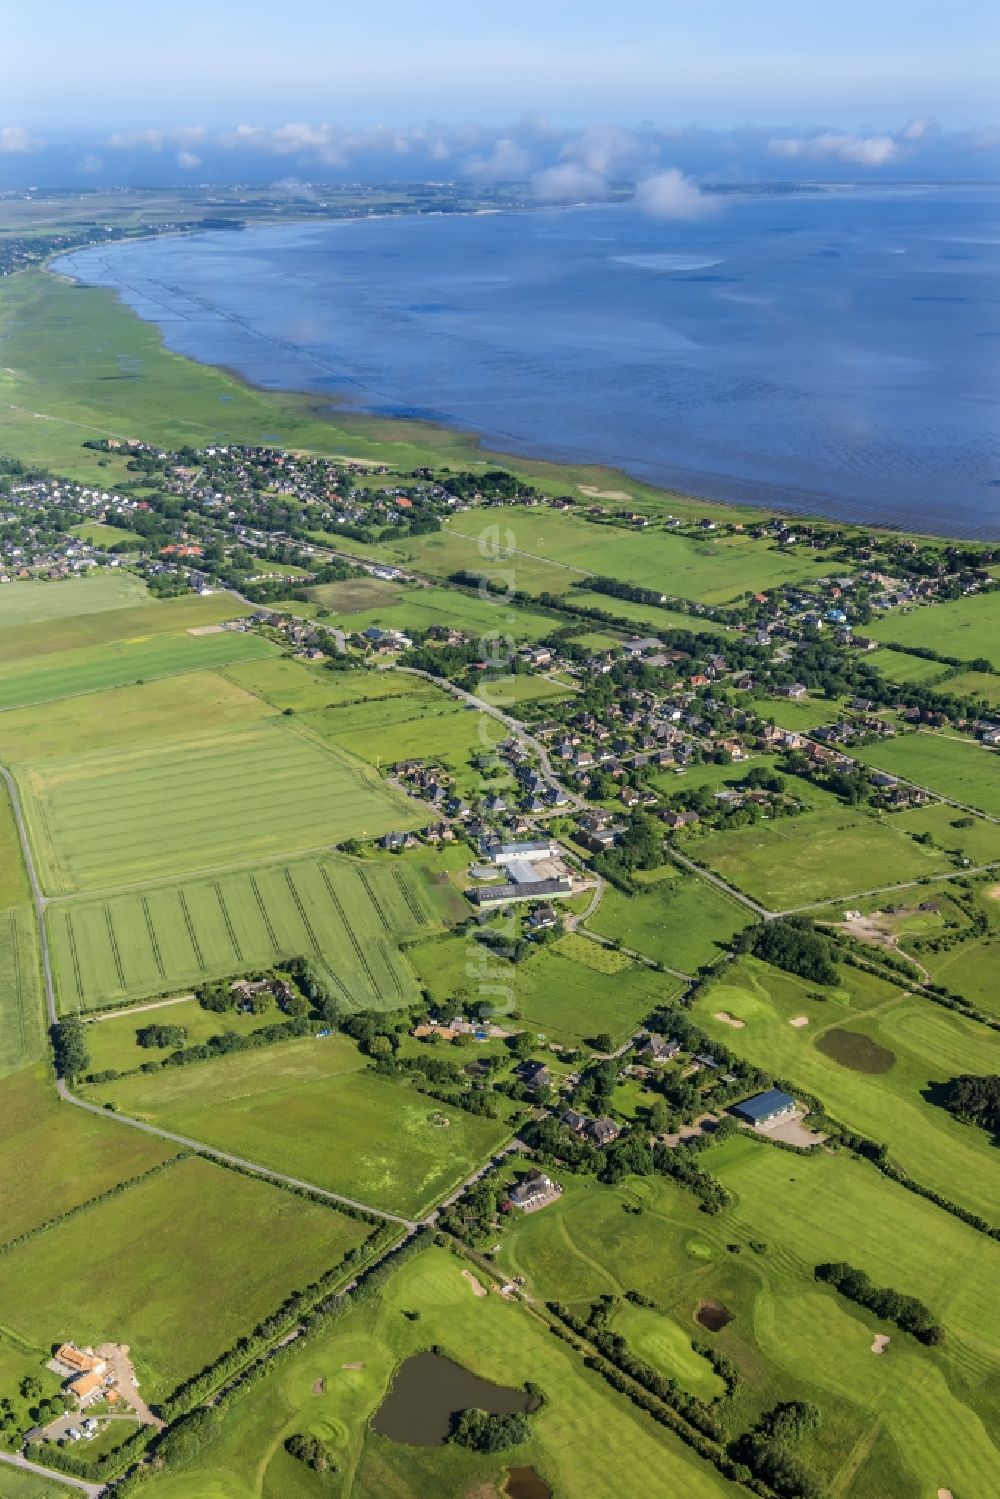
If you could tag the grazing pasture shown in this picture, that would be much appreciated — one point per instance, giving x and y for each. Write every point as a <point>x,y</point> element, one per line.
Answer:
<point>142,1268</point>
<point>119,817</point>
<point>427,725</point>
<point>33,602</point>
<point>980,842</point>
<point>302,686</point>
<point>111,1038</point>
<point>675,918</point>
<point>874,1057</point>
<point>311,1109</point>
<point>976,684</point>
<point>345,917</point>
<point>588,1442</point>
<point>815,857</point>
<point>14,886</point>
<point>898,666</point>
<point>651,617</point>
<point>94,668</point>
<point>360,604</point>
<point>966,628</point>
<point>21,1039</point>
<point>960,768</point>
<point>134,624</point>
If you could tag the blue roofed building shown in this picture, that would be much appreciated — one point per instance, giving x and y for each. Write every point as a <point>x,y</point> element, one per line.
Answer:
<point>766,1108</point>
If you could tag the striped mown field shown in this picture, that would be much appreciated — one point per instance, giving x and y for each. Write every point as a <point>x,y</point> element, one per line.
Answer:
<point>346,917</point>
<point>20,990</point>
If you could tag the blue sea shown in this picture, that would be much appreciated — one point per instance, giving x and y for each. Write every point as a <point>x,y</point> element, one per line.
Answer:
<point>836,352</point>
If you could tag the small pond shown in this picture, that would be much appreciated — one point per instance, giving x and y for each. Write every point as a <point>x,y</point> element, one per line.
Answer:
<point>525,1483</point>
<point>429,1390</point>
<point>713,1315</point>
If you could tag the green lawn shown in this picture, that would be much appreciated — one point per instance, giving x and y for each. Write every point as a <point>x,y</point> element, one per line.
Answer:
<point>72,673</point>
<point>960,768</point>
<point>679,920</point>
<point>144,1267</point>
<point>816,856</point>
<point>966,628</point>
<point>21,1011</point>
<point>310,1109</point>
<point>101,534</point>
<point>587,1441</point>
<point>976,684</point>
<point>124,816</point>
<point>31,602</point>
<point>921,1045</point>
<point>898,666</point>
<point>426,725</point>
<point>347,917</point>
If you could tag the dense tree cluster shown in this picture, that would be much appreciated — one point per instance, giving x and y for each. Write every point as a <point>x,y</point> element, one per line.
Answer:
<point>490,1433</point>
<point>974,1100</point>
<point>162,1036</point>
<point>69,1045</point>
<point>909,1314</point>
<point>310,1450</point>
<point>793,944</point>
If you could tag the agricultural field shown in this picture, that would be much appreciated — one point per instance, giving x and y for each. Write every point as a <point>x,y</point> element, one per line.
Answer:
<point>53,1158</point>
<point>302,686</point>
<point>21,1038</point>
<point>34,602</point>
<point>133,625</point>
<point>427,725</point>
<point>334,1385</point>
<point>976,685</point>
<point>359,603</point>
<point>124,816</point>
<point>814,857</point>
<point>18,1484</point>
<point>94,668</point>
<point>980,842</point>
<point>799,715</point>
<point>959,768</point>
<point>650,616</point>
<point>111,1037</point>
<point>346,917</point>
<point>899,666</point>
<point>312,1109</point>
<point>523,687</point>
<point>967,628</point>
<point>141,1267</point>
<point>790,1338</point>
<point>875,1058</point>
<point>676,918</point>
<point>14,887</point>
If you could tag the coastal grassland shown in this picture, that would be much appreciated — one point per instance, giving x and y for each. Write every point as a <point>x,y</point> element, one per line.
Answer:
<point>898,666</point>
<point>111,1039</point>
<point>35,602</point>
<point>651,616</point>
<point>346,918</point>
<point>814,857</point>
<point>966,628</point>
<point>674,917</point>
<point>975,684</point>
<point>125,816</point>
<point>311,1109</point>
<point>874,1057</point>
<point>588,1442</point>
<point>960,768</point>
<point>980,842</point>
<point>425,725</point>
<point>53,1157</point>
<point>96,668</point>
<point>286,683</point>
<point>125,718</point>
<point>551,991</point>
<point>547,551</point>
<point>133,625</point>
<point>404,607</point>
<point>146,1266</point>
<point>21,1039</point>
<point>790,1339</point>
<point>14,887</point>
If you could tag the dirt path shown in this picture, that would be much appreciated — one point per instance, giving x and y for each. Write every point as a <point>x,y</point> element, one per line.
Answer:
<point>476,1286</point>
<point>154,1004</point>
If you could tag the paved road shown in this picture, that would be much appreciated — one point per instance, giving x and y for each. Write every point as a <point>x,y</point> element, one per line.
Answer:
<point>17,1461</point>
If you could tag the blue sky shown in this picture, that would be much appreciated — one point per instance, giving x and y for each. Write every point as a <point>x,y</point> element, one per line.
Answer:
<point>121,90</point>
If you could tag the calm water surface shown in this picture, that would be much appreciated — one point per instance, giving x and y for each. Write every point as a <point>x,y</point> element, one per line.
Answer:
<point>837,352</point>
<point>429,1390</point>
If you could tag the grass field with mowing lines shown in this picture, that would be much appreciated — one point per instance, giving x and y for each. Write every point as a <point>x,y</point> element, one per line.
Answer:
<point>814,857</point>
<point>587,1441</point>
<point>143,1267</point>
<point>30,602</point>
<point>124,817</point>
<point>21,1037</point>
<point>928,1044</point>
<point>72,673</point>
<point>133,625</point>
<point>966,628</point>
<point>55,1157</point>
<point>346,917</point>
<point>308,1108</point>
<point>898,666</point>
<point>426,725</point>
<point>677,919</point>
<point>14,887</point>
<point>959,768</point>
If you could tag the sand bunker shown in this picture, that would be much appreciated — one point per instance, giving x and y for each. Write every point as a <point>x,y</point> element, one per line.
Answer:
<point>352,1366</point>
<point>945,1494</point>
<point>478,1289</point>
<point>728,1019</point>
<point>603,494</point>
<point>881,1343</point>
<point>319,1386</point>
<point>995,893</point>
<point>799,1021</point>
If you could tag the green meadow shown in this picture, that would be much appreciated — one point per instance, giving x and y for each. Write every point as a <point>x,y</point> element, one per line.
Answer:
<point>21,1037</point>
<point>358,604</point>
<point>71,673</point>
<point>427,725</point>
<point>142,1267</point>
<point>102,534</point>
<point>14,887</point>
<point>976,684</point>
<point>35,602</point>
<point>652,616</point>
<point>816,856</point>
<point>111,1038</point>
<point>310,1108</point>
<point>960,768</point>
<point>587,1441</point>
<point>133,625</point>
<point>898,666</point>
<point>980,842</point>
<point>966,628</point>
<point>873,1056</point>
<point>346,917</point>
<point>124,816</point>
<point>675,918</point>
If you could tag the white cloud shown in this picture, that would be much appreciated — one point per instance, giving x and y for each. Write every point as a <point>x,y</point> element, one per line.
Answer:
<point>507,162</point>
<point>183,136</point>
<point>862,150</point>
<point>603,149</point>
<point>567,183</point>
<point>987,139</point>
<point>917,130</point>
<point>671,195</point>
<point>188,161</point>
<point>14,140</point>
<point>91,164</point>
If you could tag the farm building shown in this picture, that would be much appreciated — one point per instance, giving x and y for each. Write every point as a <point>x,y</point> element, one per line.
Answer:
<point>766,1108</point>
